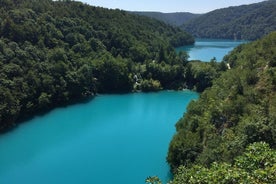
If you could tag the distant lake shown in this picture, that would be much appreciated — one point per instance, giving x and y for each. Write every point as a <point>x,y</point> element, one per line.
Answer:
<point>207,49</point>
<point>113,139</point>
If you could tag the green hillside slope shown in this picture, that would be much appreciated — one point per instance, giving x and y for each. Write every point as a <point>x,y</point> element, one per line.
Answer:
<point>174,19</point>
<point>247,22</point>
<point>56,52</point>
<point>237,111</point>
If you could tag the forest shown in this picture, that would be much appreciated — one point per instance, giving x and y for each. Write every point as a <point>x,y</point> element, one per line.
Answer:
<point>53,53</point>
<point>246,22</point>
<point>229,134</point>
<point>175,19</point>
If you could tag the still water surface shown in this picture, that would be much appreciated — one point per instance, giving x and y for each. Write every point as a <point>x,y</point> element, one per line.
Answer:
<point>207,49</point>
<point>116,139</point>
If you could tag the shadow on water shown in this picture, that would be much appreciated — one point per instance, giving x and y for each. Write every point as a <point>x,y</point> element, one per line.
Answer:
<point>25,117</point>
<point>28,144</point>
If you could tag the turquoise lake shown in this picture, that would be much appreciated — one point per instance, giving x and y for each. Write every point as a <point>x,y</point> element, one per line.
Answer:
<point>116,139</point>
<point>207,49</point>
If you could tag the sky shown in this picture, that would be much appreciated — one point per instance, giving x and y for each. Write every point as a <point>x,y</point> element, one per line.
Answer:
<point>166,6</point>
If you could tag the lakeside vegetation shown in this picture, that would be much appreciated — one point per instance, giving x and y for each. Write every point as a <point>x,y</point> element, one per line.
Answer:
<point>53,53</point>
<point>229,134</point>
<point>255,165</point>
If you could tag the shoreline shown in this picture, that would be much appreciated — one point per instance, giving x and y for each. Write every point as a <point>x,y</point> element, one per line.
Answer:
<point>23,118</point>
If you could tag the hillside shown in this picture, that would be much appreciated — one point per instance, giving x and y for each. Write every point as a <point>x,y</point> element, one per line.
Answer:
<point>174,19</point>
<point>56,52</point>
<point>247,22</point>
<point>235,113</point>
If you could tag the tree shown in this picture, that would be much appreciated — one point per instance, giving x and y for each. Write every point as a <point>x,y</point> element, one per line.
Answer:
<point>256,165</point>
<point>153,180</point>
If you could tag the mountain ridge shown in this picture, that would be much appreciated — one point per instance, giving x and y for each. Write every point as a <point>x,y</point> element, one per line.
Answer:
<point>245,22</point>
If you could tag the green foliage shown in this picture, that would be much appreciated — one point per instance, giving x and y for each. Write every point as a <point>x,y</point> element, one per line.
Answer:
<point>200,74</point>
<point>150,85</point>
<point>112,75</point>
<point>248,22</point>
<point>56,52</point>
<point>174,19</point>
<point>153,180</point>
<point>237,110</point>
<point>256,165</point>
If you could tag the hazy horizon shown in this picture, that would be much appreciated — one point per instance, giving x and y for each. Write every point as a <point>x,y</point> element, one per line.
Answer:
<point>195,6</point>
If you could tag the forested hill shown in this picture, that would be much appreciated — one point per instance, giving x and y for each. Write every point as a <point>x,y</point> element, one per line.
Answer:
<point>55,52</point>
<point>247,22</point>
<point>237,111</point>
<point>175,19</point>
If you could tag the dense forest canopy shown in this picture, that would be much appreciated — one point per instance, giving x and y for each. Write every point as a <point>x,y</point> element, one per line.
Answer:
<point>247,22</point>
<point>55,52</point>
<point>235,113</point>
<point>174,19</point>
<point>255,165</point>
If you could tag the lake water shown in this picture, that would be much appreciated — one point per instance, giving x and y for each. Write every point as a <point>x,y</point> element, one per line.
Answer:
<point>116,139</point>
<point>207,49</point>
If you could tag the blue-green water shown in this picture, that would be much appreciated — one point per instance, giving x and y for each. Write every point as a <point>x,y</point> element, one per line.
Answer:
<point>207,49</point>
<point>116,139</point>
